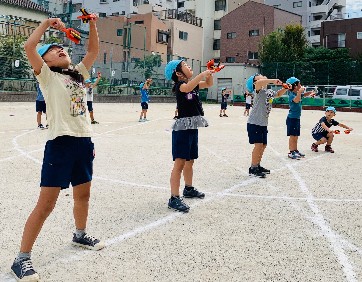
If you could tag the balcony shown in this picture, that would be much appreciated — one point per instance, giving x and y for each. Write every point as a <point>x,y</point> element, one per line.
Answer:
<point>314,39</point>
<point>319,9</point>
<point>190,5</point>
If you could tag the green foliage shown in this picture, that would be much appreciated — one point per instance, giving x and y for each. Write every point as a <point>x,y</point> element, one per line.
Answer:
<point>11,49</point>
<point>294,41</point>
<point>53,39</point>
<point>102,86</point>
<point>148,64</point>
<point>271,48</point>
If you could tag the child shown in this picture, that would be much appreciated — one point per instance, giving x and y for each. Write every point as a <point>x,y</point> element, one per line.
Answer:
<point>295,94</point>
<point>322,133</point>
<point>89,87</point>
<point>185,129</point>
<point>69,151</point>
<point>258,119</point>
<point>224,102</point>
<point>40,107</point>
<point>248,97</point>
<point>144,98</point>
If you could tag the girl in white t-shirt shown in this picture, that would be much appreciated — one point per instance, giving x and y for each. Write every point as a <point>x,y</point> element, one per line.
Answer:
<point>248,97</point>
<point>69,151</point>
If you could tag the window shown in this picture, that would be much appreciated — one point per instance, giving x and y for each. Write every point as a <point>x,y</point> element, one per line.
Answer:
<point>115,14</point>
<point>102,15</point>
<point>220,5</point>
<point>134,60</point>
<point>104,58</point>
<point>230,59</point>
<point>162,36</point>
<point>139,22</point>
<point>120,32</point>
<point>231,35</point>
<point>252,55</point>
<point>354,92</point>
<point>103,1</point>
<point>342,40</point>
<point>182,35</point>
<point>216,45</point>
<point>254,32</point>
<point>180,4</point>
<point>297,4</point>
<point>217,24</point>
<point>115,0</point>
<point>359,35</point>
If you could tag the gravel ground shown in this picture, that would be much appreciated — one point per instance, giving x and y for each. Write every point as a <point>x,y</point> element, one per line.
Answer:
<point>302,223</point>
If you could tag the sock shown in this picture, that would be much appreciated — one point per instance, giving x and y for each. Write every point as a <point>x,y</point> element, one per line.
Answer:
<point>253,166</point>
<point>79,232</point>
<point>22,256</point>
<point>188,187</point>
<point>174,197</point>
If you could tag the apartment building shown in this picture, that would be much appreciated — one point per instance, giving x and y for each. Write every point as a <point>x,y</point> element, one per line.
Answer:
<point>313,13</point>
<point>243,29</point>
<point>343,34</point>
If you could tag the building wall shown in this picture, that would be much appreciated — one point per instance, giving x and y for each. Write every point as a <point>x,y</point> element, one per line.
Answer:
<point>283,18</point>
<point>331,29</point>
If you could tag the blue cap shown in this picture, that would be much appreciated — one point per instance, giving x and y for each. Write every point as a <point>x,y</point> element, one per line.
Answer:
<point>292,80</point>
<point>224,88</point>
<point>170,68</point>
<point>88,81</point>
<point>331,109</point>
<point>250,83</point>
<point>43,49</point>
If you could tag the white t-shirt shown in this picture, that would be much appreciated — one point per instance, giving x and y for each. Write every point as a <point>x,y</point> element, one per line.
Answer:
<point>89,94</point>
<point>66,103</point>
<point>248,99</point>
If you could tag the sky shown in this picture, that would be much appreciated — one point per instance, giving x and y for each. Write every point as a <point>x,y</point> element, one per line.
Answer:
<point>354,8</point>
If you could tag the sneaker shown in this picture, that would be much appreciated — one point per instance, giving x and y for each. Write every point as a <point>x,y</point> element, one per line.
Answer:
<point>140,120</point>
<point>24,271</point>
<point>47,126</point>
<point>88,242</point>
<point>314,147</point>
<point>40,126</point>
<point>225,115</point>
<point>255,171</point>
<point>178,204</point>
<point>94,122</point>
<point>193,193</point>
<point>262,169</point>
<point>145,119</point>
<point>328,148</point>
<point>220,115</point>
<point>294,155</point>
<point>300,154</point>
<point>175,117</point>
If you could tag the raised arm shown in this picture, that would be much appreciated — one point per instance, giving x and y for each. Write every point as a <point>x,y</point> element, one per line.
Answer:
<point>93,45</point>
<point>97,80</point>
<point>209,81</point>
<point>260,83</point>
<point>189,86</point>
<point>35,59</point>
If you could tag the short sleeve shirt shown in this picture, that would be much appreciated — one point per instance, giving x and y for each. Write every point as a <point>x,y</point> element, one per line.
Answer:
<point>188,104</point>
<point>262,106</point>
<point>318,127</point>
<point>295,109</point>
<point>66,103</point>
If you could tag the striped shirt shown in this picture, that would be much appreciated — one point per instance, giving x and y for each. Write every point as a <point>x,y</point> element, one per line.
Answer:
<point>318,127</point>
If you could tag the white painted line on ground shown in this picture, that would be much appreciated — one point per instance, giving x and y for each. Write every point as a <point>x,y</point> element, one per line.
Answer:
<point>130,183</point>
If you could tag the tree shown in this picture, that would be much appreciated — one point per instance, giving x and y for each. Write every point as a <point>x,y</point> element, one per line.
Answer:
<point>295,42</point>
<point>148,65</point>
<point>11,50</point>
<point>271,48</point>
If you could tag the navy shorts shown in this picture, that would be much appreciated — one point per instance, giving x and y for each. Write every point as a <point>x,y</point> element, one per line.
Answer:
<point>90,106</point>
<point>144,105</point>
<point>293,126</point>
<point>224,105</point>
<point>67,159</point>
<point>320,135</point>
<point>257,134</point>
<point>247,106</point>
<point>185,144</point>
<point>40,106</point>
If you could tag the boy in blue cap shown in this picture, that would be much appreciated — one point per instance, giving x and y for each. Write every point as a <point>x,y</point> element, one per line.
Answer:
<point>40,107</point>
<point>295,94</point>
<point>185,129</point>
<point>258,120</point>
<point>224,102</point>
<point>90,88</point>
<point>69,151</point>
<point>145,98</point>
<point>322,133</point>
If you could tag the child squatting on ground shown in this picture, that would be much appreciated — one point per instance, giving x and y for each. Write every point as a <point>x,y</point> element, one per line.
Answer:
<point>295,95</point>
<point>322,133</point>
<point>258,120</point>
<point>185,129</point>
<point>69,151</point>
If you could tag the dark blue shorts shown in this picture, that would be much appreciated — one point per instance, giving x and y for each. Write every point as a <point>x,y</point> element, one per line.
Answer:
<point>40,106</point>
<point>319,136</point>
<point>247,106</point>
<point>185,144</point>
<point>144,105</point>
<point>90,106</point>
<point>257,134</point>
<point>293,126</point>
<point>67,159</point>
<point>224,105</point>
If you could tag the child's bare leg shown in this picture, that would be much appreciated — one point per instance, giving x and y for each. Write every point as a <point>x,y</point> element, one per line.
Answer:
<point>46,203</point>
<point>178,166</point>
<point>91,115</point>
<point>144,113</point>
<point>257,153</point>
<point>188,172</point>
<point>293,143</point>
<point>330,138</point>
<point>38,117</point>
<point>81,194</point>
